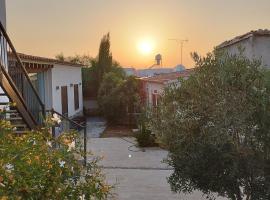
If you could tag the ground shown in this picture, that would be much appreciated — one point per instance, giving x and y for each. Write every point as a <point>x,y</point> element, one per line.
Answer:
<point>137,174</point>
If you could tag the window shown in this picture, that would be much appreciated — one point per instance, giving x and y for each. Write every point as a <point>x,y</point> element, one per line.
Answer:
<point>76,96</point>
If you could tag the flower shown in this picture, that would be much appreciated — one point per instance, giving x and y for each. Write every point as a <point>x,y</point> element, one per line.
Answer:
<point>49,143</point>
<point>9,167</point>
<point>62,163</point>
<point>82,197</point>
<point>56,118</point>
<point>71,146</point>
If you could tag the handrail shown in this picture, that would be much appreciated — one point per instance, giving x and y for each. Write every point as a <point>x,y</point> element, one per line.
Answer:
<point>3,31</point>
<point>66,118</point>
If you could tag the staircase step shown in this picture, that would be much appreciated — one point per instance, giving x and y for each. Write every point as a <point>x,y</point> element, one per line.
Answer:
<point>4,103</point>
<point>20,125</point>
<point>13,118</point>
<point>11,111</point>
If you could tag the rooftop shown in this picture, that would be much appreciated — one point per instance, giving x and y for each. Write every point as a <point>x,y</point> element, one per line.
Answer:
<point>163,78</point>
<point>245,36</point>
<point>47,60</point>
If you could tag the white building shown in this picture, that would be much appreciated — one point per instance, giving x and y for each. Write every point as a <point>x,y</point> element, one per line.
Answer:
<point>59,84</point>
<point>3,12</point>
<point>256,45</point>
<point>153,87</point>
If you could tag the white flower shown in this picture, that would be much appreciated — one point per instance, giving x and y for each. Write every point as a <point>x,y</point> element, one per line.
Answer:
<point>49,143</point>
<point>71,146</point>
<point>82,197</point>
<point>62,163</point>
<point>14,129</point>
<point>210,124</point>
<point>56,118</point>
<point>9,167</point>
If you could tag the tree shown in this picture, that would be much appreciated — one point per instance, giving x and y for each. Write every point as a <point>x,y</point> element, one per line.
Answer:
<point>216,127</point>
<point>118,96</point>
<point>104,57</point>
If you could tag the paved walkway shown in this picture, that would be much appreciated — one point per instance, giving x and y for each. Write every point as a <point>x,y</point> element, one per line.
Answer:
<point>95,126</point>
<point>136,173</point>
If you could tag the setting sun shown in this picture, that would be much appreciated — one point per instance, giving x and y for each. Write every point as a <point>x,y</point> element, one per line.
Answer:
<point>145,47</point>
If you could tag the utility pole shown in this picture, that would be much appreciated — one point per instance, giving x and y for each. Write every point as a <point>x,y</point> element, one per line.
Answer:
<point>181,43</point>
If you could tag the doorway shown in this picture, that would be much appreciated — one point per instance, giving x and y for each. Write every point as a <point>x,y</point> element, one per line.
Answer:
<point>64,100</point>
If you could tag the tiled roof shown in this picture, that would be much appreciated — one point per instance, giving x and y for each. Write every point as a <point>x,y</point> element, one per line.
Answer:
<point>163,78</point>
<point>46,60</point>
<point>245,36</point>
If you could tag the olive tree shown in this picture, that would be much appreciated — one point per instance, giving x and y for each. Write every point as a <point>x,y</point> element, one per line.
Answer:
<point>216,126</point>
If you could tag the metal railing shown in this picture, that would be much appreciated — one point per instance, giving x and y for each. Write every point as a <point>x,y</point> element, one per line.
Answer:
<point>68,124</point>
<point>13,68</point>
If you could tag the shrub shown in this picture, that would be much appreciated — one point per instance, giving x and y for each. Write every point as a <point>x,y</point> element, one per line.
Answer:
<point>144,136</point>
<point>216,126</point>
<point>32,168</point>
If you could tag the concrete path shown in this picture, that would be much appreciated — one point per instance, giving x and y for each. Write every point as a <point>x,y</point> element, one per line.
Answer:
<point>136,173</point>
<point>95,126</point>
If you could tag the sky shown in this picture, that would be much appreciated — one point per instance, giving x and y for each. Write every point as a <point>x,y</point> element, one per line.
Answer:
<point>139,29</point>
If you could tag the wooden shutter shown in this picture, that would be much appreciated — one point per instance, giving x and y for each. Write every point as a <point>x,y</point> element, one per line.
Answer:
<point>76,96</point>
<point>64,98</point>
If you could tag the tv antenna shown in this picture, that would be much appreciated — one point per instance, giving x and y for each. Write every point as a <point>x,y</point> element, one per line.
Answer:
<point>181,43</point>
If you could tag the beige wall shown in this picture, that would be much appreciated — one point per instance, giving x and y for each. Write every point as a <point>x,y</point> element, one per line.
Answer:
<point>3,12</point>
<point>257,47</point>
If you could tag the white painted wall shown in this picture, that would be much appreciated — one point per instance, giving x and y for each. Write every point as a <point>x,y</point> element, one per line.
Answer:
<point>257,47</point>
<point>150,89</point>
<point>3,12</point>
<point>64,76</point>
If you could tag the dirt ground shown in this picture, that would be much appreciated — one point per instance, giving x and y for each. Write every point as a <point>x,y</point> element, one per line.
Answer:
<point>117,131</point>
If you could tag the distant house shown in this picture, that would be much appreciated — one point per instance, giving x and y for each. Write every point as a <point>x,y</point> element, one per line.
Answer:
<point>149,72</point>
<point>256,45</point>
<point>58,83</point>
<point>130,71</point>
<point>153,87</point>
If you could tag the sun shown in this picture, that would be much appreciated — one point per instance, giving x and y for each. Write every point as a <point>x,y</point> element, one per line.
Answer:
<point>145,47</point>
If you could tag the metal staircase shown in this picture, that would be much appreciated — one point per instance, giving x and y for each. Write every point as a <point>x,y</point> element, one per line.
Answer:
<point>27,110</point>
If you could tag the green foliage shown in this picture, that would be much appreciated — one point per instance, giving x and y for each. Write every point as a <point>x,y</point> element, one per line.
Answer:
<point>31,168</point>
<point>216,127</point>
<point>117,96</point>
<point>144,137</point>
<point>104,57</point>
<point>95,68</point>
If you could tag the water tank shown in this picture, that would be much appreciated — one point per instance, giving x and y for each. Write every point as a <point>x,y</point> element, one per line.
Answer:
<point>158,59</point>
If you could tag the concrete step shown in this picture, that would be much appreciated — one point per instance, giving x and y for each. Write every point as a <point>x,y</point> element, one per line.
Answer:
<point>4,103</point>
<point>13,118</point>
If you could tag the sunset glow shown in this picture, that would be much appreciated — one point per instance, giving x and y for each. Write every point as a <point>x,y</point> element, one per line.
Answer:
<point>145,47</point>
<point>139,29</point>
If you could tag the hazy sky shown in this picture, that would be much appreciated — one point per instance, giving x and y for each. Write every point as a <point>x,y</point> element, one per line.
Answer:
<point>48,27</point>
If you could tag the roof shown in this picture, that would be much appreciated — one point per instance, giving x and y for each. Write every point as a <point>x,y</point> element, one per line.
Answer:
<point>245,36</point>
<point>163,78</point>
<point>47,60</point>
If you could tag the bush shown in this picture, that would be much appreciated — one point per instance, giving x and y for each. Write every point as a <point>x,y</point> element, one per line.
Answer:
<point>144,136</point>
<point>32,168</point>
<point>216,126</point>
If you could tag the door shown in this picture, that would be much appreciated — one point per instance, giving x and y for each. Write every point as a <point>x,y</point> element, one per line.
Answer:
<point>64,100</point>
<point>76,96</point>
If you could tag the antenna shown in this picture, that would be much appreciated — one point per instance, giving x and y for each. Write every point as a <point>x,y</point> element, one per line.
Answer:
<point>181,42</point>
